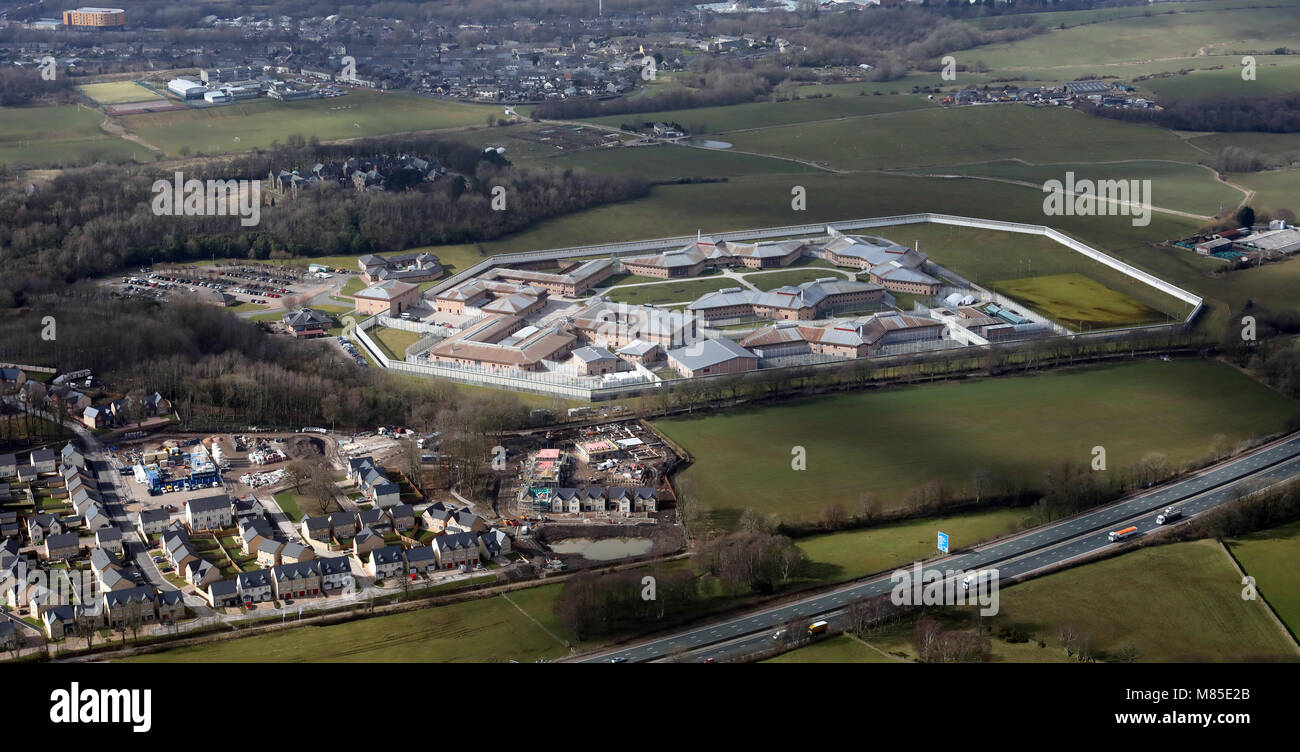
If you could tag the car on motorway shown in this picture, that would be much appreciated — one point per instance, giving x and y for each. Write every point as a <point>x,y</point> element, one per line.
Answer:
<point>618,659</point>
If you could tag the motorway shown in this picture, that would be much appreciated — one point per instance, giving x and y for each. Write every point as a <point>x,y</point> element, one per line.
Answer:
<point>1048,546</point>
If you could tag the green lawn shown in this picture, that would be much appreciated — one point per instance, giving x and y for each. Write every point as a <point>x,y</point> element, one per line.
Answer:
<point>1080,303</point>
<point>393,341</point>
<point>888,442</point>
<point>256,124</point>
<point>288,501</point>
<point>489,630</point>
<point>1272,557</point>
<point>774,280</point>
<point>668,292</point>
<point>60,136</point>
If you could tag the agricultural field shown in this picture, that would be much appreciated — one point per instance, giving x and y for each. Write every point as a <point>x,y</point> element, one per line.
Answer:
<point>118,92</point>
<point>945,432</point>
<point>768,114</point>
<point>60,136</point>
<point>248,125</point>
<point>1139,38</point>
<point>1274,74</point>
<point>670,161</point>
<point>1188,607</point>
<point>487,630</point>
<point>1275,189</point>
<point>1181,187</point>
<point>683,291</point>
<point>933,137</point>
<point>1272,557</point>
<point>1079,303</point>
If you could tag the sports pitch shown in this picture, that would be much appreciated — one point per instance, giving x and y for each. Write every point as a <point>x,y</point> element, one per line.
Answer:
<point>118,92</point>
<point>1078,302</point>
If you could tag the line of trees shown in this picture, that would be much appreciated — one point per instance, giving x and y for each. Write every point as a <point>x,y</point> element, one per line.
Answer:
<point>1279,113</point>
<point>748,560</point>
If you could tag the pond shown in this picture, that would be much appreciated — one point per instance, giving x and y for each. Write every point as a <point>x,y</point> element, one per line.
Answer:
<point>605,549</point>
<point>708,143</point>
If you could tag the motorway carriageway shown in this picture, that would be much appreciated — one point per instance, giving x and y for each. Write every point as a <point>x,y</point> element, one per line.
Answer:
<point>1025,553</point>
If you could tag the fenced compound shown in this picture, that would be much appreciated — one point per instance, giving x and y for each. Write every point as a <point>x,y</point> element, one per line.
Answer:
<point>585,389</point>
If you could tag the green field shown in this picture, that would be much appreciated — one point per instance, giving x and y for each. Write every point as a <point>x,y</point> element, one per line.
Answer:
<point>669,161</point>
<point>257,124</point>
<point>771,281</point>
<point>1179,602</point>
<point>1079,303</point>
<point>117,92</point>
<point>767,114</point>
<point>60,136</point>
<point>684,291</point>
<point>928,137</point>
<point>888,442</point>
<point>393,341</point>
<point>836,557</point>
<point>1145,37</point>
<point>1274,74</point>
<point>1275,189</point>
<point>1181,187</point>
<point>488,630</point>
<point>1272,557</point>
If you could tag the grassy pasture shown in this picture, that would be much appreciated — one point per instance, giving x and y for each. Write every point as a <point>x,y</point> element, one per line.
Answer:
<point>1272,557</point>
<point>766,114</point>
<point>59,136</point>
<point>934,137</point>
<point>888,442</point>
<point>256,124</point>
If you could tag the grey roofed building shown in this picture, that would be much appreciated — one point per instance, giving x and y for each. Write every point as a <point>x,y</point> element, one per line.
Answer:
<point>258,578</point>
<point>108,535</point>
<point>456,541</point>
<point>707,353</point>
<point>420,556</point>
<point>65,540</point>
<point>387,555</point>
<point>331,565</point>
<point>152,516</point>
<point>43,456</point>
<point>294,550</point>
<point>307,318</point>
<point>295,571</point>
<point>209,503</point>
<point>223,588</point>
<point>127,596</point>
<point>593,354</point>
